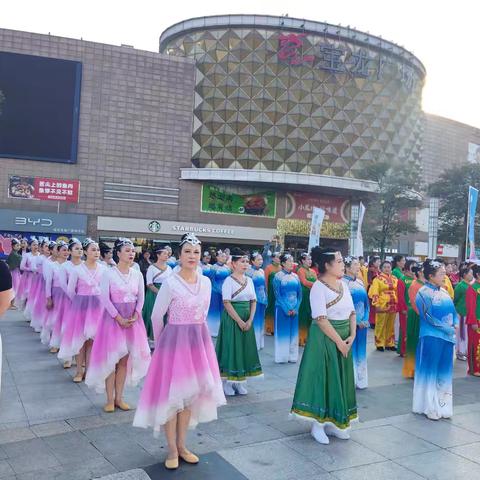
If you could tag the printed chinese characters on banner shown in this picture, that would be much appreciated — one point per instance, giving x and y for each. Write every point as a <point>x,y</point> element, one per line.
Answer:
<point>300,206</point>
<point>38,188</point>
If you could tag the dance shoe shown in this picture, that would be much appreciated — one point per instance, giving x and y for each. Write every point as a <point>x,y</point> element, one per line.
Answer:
<point>318,433</point>
<point>109,408</point>
<point>123,406</point>
<point>188,457</point>
<point>336,432</point>
<point>171,463</point>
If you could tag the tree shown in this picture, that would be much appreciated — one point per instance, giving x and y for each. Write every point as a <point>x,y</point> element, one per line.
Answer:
<point>398,187</point>
<point>451,189</point>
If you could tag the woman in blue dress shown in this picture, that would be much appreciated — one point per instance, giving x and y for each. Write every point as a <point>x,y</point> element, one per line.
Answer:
<point>220,271</point>
<point>257,274</point>
<point>288,296</point>
<point>432,389</point>
<point>362,309</point>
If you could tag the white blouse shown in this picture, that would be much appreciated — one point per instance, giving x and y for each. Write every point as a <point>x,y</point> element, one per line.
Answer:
<point>155,275</point>
<point>326,302</point>
<point>230,286</point>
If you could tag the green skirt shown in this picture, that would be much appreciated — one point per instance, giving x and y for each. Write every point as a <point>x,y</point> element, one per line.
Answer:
<point>325,389</point>
<point>304,316</point>
<point>147,309</point>
<point>236,350</point>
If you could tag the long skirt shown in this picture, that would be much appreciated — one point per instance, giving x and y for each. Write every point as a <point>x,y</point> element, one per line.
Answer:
<point>259,325</point>
<point>215,313</point>
<point>325,390</point>
<point>62,314</point>
<point>52,316</point>
<point>432,389</point>
<point>462,337</point>
<point>150,298</point>
<point>371,315</point>
<point>33,283</point>
<point>85,313</point>
<point>286,337</point>
<point>304,317</point>
<point>473,351</point>
<point>402,334</point>
<point>384,329</point>
<point>39,305</point>
<point>270,310</point>
<point>183,374</point>
<point>413,330</point>
<point>359,354</point>
<point>112,343</point>
<point>24,288</point>
<point>236,350</point>
<point>16,281</point>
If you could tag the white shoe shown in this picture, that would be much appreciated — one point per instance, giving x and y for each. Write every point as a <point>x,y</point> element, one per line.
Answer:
<point>318,433</point>
<point>336,432</point>
<point>228,389</point>
<point>433,416</point>
<point>240,388</point>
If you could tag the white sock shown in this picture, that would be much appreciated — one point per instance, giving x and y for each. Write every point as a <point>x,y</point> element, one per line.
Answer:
<point>336,432</point>
<point>228,389</point>
<point>241,388</point>
<point>318,433</point>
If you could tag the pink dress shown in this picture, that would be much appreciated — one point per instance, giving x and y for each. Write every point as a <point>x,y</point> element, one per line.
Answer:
<point>36,296</point>
<point>85,310</point>
<point>55,287</point>
<point>27,266</point>
<point>120,295</point>
<point>184,370</point>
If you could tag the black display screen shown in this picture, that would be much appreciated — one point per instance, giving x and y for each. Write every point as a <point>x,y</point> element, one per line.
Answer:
<point>39,107</point>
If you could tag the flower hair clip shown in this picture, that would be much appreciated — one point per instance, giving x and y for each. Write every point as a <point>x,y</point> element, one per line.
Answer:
<point>192,240</point>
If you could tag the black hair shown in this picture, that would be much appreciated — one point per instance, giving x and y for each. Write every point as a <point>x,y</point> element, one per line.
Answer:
<point>476,270</point>
<point>104,249</point>
<point>52,245</point>
<point>32,240</point>
<point>73,241</point>
<point>87,242</point>
<point>417,269</point>
<point>430,268</point>
<point>15,241</point>
<point>439,260</point>
<point>409,264</point>
<point>322,256</point>
<point>464,270</point>
<point>396,259</point>
<point>304,256</point>
<point>254,255</point>
<point>348,260</point>
<point>284,257</point>
<point>373,260</point>
<point>384,263</point>
<point>237,254</point>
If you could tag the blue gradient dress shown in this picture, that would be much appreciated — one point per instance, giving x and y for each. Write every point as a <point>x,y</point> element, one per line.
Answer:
<point>219,273</point>
<point>359,347</point>
<point>288,296</point>
<point>432,390</point>
<point>258,277</point>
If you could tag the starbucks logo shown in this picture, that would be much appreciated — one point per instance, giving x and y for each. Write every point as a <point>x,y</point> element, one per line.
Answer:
<point>154,226</point>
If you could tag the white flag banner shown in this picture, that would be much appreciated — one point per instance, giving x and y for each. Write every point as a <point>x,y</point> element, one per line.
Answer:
<point>359,239</point>
<point>318,214</point>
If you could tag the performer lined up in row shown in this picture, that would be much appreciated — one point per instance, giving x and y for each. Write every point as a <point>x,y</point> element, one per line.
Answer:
<point>257,275</point>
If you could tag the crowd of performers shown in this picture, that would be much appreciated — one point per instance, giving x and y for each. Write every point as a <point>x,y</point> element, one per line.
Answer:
<point>94,309</point>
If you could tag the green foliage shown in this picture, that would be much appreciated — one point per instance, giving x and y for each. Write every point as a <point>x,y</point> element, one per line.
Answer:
<point>452,191</point>
<point>386,215</point>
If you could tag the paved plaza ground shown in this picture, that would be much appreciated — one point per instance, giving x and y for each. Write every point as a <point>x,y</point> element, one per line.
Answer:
<point>51,428</point>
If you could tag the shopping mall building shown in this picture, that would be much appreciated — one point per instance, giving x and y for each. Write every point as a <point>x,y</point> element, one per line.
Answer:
<point>236,129</point>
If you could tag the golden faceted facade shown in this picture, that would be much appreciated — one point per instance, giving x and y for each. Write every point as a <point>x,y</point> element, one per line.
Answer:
<point>279,99</point>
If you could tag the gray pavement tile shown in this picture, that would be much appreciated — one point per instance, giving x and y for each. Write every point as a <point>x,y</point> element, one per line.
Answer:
<point>33,461</point>
<point>34,365</point>
<point>82,423</point>
<point>335,456</point>
<point>72,447</point>
<point>443,434</point>
<point>469,421</point>
<point>44,377</point>
<point>255,434</point>
<point>58,408</point>
<point>33,392</point>
<point>51,428</point>
<point>389,470</point>
<point>12,411</point>
<point>471,451</point>
<point>136,457</point>
<point>441,465</point>
<point>270,460</point>
<point>26,447</point>
<point>134,474</point>
<point>391,442</point>
<point>15,435</point>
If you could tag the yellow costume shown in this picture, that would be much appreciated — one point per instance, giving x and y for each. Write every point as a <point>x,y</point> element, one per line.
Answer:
<point>447,285</point>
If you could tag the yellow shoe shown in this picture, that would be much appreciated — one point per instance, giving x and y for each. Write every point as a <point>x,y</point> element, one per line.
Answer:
<point>171,463</point>
<point>188,457</point>
<point>123,406</point>
<point>54,350</point>
<point>109,408</point>
<point>78,378</point>
<point>67,364</point>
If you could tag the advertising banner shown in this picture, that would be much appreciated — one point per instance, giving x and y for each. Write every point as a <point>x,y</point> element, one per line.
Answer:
<point>472,209</point>
<point>40,188</point>
<point>318,214</point>
<point>6,240</point>
<point>300,206</point>
<point>237,201</point>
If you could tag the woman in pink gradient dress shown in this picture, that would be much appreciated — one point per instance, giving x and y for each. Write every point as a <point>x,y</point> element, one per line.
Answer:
<point>85,311</point>
<point>120,351</point>
<point>56,298</point>
<point>28,266</point>
<point>183,385</point>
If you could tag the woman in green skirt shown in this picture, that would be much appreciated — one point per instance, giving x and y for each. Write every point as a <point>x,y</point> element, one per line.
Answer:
<point>236,347</point>
<point>325,391</point>
<point>307,277</point>
<point>156,275</point>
